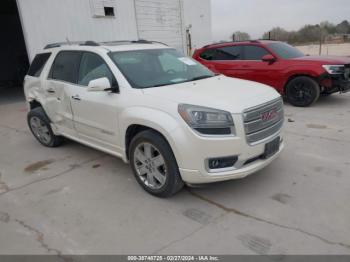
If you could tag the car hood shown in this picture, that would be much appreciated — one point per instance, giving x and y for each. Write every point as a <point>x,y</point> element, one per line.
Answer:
<point>229,94</point>
<point>325,59</point>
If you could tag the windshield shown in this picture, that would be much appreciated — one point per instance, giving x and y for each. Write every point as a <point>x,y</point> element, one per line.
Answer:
<point>285,51</point>
<point>158,67</point>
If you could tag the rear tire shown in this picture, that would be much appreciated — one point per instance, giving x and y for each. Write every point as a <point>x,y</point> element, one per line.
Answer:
<point>154,164</point>
<point>40,126</point>
<point>302,91</point>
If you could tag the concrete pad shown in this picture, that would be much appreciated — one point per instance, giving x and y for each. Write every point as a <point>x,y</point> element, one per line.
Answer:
<point>76,200</point>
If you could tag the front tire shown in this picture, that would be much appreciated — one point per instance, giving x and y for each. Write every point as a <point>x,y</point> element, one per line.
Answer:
<point>39,125</point>
<point>302,91</point>
<point>154,164</point>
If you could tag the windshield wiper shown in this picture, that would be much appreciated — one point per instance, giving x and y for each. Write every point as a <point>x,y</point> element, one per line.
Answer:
<point>199,78</point>
<point>189,80</point>
<point>162,85</point>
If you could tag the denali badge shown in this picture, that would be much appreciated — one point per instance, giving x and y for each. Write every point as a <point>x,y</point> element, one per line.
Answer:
<point>269,115</point>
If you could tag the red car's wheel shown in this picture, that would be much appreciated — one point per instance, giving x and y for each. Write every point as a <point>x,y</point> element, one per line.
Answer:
<point>302,91</point>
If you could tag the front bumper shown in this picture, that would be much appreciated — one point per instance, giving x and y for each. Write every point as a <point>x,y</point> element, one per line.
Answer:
<point>334,83</point>
<point>198,177</point>
<point>192,153</point>
<point>344,86</point>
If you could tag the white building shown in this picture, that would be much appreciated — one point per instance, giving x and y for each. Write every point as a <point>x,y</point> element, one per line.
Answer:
<point>29,25</point>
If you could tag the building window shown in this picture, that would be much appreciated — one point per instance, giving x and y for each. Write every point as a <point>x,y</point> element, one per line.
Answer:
<point>109,11</point>
<point>103,8</point>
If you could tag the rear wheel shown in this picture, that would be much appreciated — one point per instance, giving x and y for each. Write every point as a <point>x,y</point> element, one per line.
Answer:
<point>39,124</point>
<point>302,91</point>
<point>154,164</point>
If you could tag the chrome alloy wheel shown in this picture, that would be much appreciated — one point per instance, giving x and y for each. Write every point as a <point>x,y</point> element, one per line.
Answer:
<point>150,165</point>
<point>40,130</point>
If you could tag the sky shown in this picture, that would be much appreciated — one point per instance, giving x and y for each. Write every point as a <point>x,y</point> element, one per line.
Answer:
<point>258,16</point>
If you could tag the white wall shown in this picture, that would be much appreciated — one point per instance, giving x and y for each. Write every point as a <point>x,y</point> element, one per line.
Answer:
<point>49,21</point>
<point>198,14</point>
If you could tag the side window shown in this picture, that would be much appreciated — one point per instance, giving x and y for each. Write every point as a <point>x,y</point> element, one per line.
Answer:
<point>223,53</point>
<point>38,64</point>
<point>252,52</point>
<point>66,66</point>
<point>208,54</point>
<point>92,67</point>
<point>230,53</point>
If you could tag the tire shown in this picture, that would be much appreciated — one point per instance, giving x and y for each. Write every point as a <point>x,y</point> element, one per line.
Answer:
<point>148,151</point>
<point>39,125</point>
<point>302,91</point>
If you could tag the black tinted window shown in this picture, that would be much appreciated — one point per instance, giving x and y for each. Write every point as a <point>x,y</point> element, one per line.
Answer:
<point>92,67</point>
<point>254,52</point>
<point>38,64</point>
<point>223,53</point>
<point>208,54</point>
<point>230,53</point>
<point>66,66</point>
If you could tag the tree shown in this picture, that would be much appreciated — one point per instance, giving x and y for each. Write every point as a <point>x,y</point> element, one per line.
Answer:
<point>240,36</point>
<point>308,33</point>
<point>277,33</point>
<point>343,28</point>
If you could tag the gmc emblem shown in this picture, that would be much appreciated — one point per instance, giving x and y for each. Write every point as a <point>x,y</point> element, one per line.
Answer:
<point>269,115</point>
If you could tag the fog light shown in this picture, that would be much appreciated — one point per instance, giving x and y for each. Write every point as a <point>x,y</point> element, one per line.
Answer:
<point>222,162</point>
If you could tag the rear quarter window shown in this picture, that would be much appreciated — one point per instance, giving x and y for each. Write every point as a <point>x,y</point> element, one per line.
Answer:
<point>223,53</point>
<point>208,54</point>
<point>38,64</point>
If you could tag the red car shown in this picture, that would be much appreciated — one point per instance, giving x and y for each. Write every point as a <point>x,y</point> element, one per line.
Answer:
<point>300,78</point>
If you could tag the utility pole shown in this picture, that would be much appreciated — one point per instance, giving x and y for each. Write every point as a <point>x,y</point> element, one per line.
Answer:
<point>320,49</point>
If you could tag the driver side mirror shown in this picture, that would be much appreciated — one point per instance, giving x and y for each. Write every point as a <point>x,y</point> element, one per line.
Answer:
<point>268,58</point>
<point>101,84</point>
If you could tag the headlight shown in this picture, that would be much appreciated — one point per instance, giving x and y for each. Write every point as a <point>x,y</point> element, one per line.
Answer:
<point>207,121</point>
<point>334,69</point>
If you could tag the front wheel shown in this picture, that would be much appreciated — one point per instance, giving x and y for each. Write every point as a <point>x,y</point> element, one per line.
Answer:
<point>154,164</point>
<point>302,91</point>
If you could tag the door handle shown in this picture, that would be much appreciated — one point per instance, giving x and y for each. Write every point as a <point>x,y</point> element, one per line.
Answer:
<point>50,90</point>
<point>76,97</point>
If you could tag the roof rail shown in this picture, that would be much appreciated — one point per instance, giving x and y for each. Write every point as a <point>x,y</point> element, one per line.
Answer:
<point>229,42</point>
<point>82,43</point>
<point>251,41</point>
<point>126,42</point>
<point>93,43</point>
<point>90,43</point>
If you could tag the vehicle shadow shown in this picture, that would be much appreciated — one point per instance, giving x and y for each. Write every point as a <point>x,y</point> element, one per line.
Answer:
<point>333,100</point>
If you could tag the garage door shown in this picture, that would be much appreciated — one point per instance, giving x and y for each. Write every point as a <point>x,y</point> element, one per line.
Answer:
<point>160,20</point>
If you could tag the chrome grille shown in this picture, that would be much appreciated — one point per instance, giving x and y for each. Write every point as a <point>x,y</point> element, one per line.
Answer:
<point>263,121</point>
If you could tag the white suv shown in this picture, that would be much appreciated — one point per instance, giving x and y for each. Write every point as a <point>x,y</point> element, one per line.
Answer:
<point>172,119</point>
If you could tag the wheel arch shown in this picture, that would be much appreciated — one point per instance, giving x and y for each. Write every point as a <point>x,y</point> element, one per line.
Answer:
<point>134,130</point>
<point>136,120</point>
<point>293,76</point>
<point>34,104</point>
